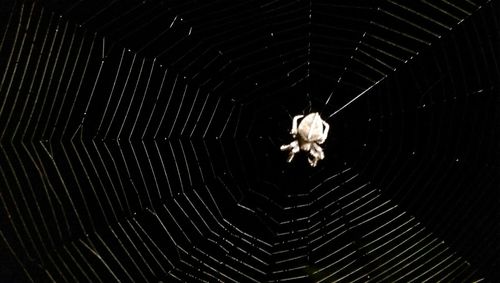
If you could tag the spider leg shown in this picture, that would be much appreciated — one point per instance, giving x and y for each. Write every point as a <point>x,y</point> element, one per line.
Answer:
<point>286,147</point>
<point>318,151</point>
<point>313,161</point>
<point>316,154</point>
<point>313,157</point>
<point>294,124</point>
<point>294,149</point>
<point>325,133</point>
<point>292,154</point>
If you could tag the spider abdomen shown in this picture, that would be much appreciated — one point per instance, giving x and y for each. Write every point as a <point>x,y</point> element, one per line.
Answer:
<point>311,128</point>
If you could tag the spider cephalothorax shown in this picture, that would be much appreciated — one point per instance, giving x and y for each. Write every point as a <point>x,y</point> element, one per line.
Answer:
<point>308,135</point>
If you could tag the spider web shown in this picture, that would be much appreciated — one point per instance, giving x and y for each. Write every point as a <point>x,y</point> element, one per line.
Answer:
<point>140,141</point>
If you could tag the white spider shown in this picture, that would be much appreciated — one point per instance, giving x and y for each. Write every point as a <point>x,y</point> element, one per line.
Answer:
<point>308,136</point>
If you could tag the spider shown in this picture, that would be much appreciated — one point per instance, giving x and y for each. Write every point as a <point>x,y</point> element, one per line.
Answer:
<point>311,132</point>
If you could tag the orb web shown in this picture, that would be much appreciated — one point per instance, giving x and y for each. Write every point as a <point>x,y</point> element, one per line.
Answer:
<point>140,141</point>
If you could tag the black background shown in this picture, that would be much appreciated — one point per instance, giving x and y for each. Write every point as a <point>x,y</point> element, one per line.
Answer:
<point>425,137</point>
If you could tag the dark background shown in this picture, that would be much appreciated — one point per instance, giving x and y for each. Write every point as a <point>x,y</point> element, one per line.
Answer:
<point>182,107</point>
